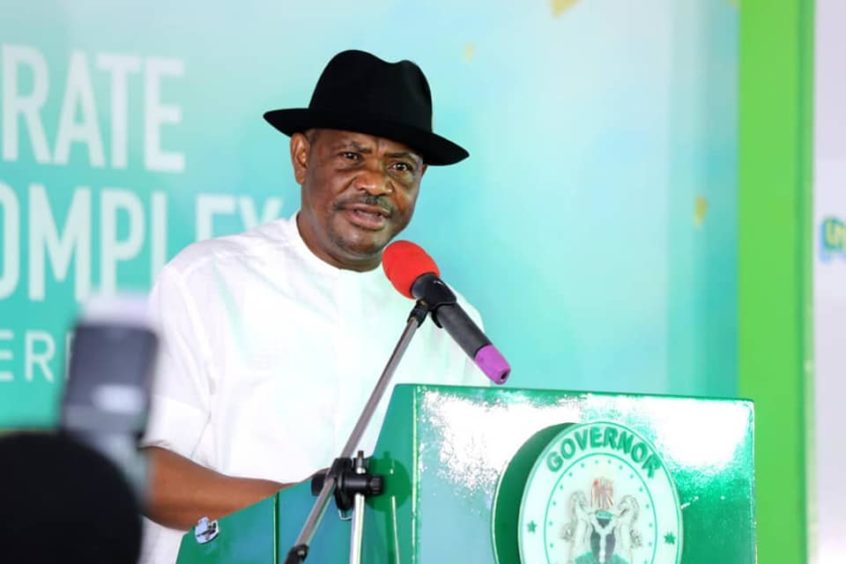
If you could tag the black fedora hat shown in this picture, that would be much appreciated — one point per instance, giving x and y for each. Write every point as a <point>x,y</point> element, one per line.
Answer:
<point>360,92</point>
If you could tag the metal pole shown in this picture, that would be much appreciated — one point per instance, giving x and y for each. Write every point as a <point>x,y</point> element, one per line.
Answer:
<point>357,531</point>
<point>299,552</point>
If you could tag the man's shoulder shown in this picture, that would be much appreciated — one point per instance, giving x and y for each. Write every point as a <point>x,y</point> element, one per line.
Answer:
<point>255,244</point>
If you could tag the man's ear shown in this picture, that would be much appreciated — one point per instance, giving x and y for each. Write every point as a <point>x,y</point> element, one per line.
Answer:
<point>300,148</point>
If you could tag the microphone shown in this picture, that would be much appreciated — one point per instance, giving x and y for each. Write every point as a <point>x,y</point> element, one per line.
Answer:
<point>416,276</point>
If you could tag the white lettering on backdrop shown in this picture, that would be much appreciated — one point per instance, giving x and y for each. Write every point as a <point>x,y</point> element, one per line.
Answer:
<point>23,108</point>
<point>77,234</point>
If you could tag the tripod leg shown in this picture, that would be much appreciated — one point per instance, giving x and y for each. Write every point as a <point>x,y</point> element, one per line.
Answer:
<point>357,529</point>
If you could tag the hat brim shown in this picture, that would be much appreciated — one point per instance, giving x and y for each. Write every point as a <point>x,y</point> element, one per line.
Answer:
<point>436,150</point>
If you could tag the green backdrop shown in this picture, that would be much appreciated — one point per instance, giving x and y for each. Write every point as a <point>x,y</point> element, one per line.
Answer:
<point>776,73</point>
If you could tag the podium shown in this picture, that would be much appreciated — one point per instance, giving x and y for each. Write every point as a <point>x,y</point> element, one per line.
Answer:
<point>485,475</point>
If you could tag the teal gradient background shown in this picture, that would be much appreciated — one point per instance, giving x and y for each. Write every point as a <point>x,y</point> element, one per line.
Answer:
<point>594,225</point>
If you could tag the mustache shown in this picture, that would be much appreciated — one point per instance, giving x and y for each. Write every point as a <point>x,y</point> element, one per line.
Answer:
<point>381,202</point>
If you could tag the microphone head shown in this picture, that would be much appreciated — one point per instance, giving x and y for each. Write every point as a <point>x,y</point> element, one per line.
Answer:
<point>404,262</point>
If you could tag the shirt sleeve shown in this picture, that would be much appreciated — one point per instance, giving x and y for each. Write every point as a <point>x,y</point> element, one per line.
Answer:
<point>180,397</point>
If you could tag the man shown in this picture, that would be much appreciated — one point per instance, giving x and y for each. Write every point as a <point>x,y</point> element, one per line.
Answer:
<point>273,339</point>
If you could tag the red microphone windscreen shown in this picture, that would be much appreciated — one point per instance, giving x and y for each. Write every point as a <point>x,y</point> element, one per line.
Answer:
<point>404,262</point>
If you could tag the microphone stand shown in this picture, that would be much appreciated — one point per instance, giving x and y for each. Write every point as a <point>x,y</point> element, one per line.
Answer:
<point>346,476</point>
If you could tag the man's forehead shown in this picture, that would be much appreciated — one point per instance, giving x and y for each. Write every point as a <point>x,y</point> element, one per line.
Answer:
<point>363,141</point>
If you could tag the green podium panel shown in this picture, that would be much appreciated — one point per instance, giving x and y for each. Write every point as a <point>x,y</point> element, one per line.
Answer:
<point>507,475</point>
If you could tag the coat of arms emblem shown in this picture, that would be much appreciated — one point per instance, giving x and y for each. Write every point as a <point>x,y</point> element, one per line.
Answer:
<point>601,530</point>
<point>598,494</point>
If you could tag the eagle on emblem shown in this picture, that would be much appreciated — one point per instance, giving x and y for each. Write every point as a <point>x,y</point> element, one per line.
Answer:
<point>601,532</point>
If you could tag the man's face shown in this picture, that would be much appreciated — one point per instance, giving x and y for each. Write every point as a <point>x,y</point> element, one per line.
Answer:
<point>358,192</point>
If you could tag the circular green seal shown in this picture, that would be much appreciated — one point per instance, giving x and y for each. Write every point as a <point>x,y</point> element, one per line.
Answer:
<point>597,493</point>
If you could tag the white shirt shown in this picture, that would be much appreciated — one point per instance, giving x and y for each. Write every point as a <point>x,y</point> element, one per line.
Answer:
<point>269,355</point>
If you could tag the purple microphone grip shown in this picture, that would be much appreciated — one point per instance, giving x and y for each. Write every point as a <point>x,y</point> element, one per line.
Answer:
<point>493,364</point>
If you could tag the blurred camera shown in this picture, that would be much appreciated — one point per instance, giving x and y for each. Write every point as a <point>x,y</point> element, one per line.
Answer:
<point>74,494</point>
<point>107,394</point>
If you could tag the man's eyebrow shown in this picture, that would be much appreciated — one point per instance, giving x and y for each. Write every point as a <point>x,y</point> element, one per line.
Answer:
<point>404,155</point>
<point>359,148</point>
<point>352,145</point>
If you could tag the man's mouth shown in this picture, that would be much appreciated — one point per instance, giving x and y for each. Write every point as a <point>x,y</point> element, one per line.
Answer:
<point>368,217</point>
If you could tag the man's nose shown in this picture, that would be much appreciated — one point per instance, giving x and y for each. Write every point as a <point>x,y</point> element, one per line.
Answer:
<point>373,180</point>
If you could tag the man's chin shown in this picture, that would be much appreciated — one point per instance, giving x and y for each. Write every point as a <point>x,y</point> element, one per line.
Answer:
<point>360,252</point>
<point>362,242</point>
<point>365,253</point>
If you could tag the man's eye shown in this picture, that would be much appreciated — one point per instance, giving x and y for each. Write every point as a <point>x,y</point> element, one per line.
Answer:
<point>404,167</point>
<point>350,156</point>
